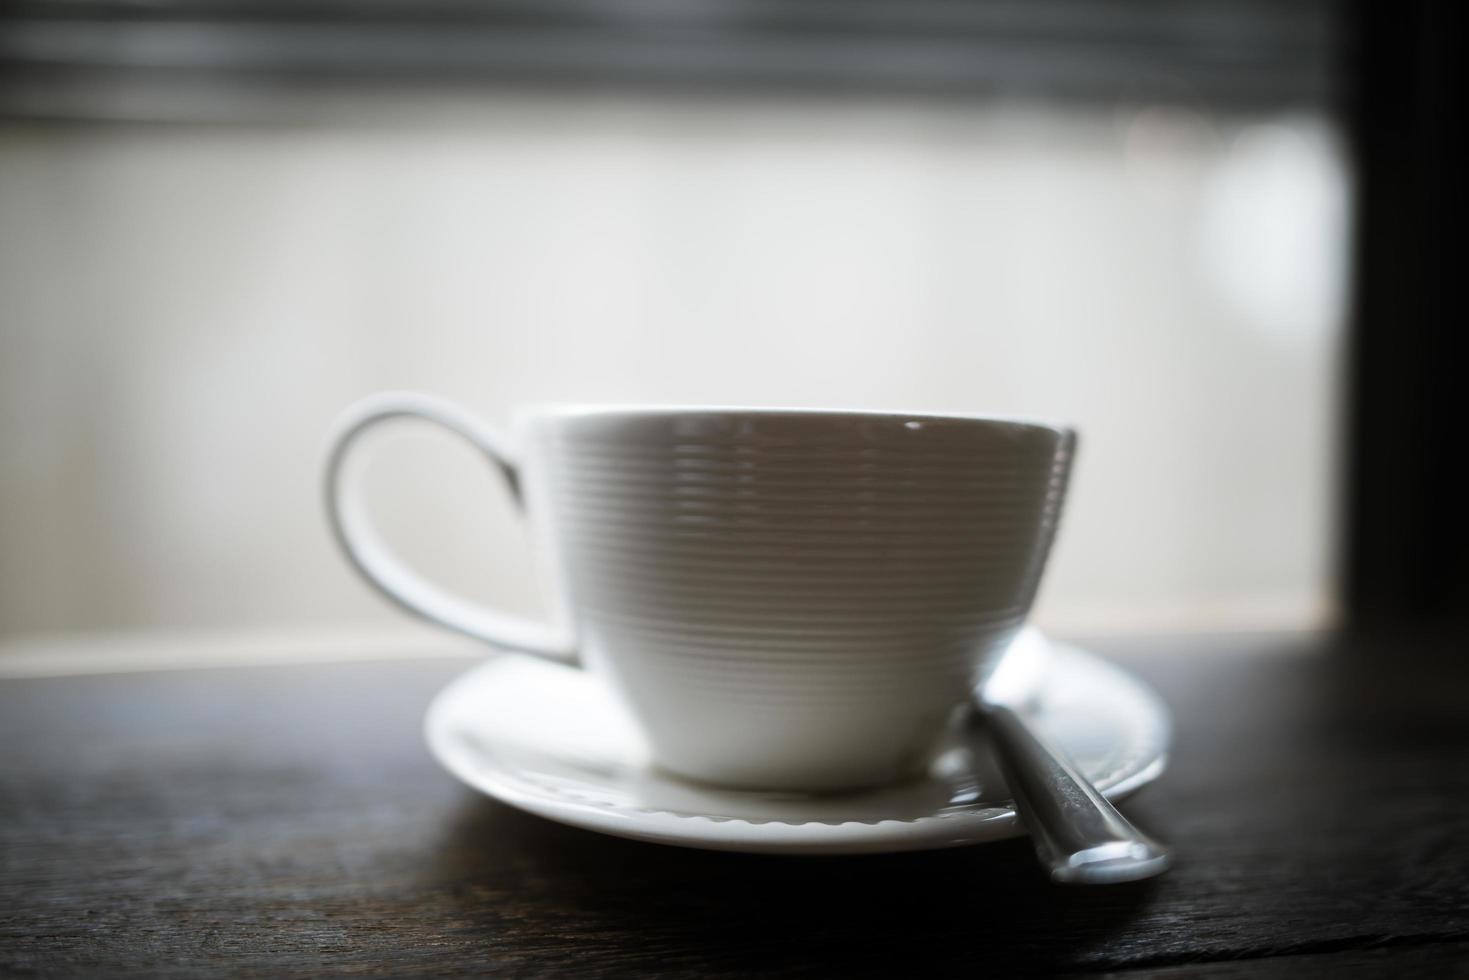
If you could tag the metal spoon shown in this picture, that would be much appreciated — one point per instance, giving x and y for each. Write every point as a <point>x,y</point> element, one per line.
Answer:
<point>1079,837</point>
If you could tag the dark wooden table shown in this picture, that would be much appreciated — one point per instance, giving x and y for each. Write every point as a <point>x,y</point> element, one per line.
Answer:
<point>287,821</point>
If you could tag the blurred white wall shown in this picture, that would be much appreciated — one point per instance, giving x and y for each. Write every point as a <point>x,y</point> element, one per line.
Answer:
<point>183,309</point>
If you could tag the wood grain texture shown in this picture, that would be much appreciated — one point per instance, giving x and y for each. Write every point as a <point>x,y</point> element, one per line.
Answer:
<point>286,821</point>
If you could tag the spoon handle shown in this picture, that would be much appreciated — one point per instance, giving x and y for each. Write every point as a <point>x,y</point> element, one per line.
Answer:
<point>1078,835</point>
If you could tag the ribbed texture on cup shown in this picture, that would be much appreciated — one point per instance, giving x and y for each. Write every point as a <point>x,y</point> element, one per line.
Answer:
<point>830,570</point>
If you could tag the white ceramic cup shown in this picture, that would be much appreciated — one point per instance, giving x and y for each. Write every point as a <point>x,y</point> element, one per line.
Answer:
<point>785,599</point>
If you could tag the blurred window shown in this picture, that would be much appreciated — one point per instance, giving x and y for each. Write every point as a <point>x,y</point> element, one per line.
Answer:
<point>221,221</point>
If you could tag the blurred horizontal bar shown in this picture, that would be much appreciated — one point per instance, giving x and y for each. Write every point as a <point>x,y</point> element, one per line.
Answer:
<point>1228,54</point>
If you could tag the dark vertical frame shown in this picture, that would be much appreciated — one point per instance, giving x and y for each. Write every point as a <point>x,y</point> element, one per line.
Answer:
<point>1407,528</point>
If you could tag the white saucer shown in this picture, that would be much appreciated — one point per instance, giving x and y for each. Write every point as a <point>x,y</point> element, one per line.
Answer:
<point>553,742</point>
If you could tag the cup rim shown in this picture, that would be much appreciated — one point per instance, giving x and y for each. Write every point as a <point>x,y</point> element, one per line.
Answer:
<point>651,409</point>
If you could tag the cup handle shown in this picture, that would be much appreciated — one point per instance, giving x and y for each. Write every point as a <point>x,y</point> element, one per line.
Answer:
<point>366,551</point>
